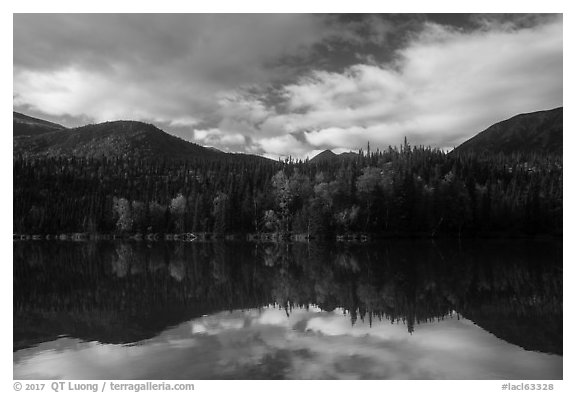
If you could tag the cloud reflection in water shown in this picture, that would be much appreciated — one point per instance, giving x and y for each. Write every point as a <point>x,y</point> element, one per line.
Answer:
<point>309,344</point>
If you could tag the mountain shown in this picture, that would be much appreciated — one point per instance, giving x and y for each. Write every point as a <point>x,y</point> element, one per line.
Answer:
<point>25,125</point>
<point>111,139</point>
<point>329,155</point>
<point>326,155</point>
<point>114,139</point>
<point>536,132</point>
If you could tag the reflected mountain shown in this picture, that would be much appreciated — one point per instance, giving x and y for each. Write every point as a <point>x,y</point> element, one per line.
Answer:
<point>121,293</point>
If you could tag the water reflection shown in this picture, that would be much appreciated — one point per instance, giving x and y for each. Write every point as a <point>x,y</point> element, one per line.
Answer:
<point>474,310</point>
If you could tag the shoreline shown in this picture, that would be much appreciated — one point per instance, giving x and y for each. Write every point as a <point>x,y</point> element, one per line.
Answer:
<point>276,238</point>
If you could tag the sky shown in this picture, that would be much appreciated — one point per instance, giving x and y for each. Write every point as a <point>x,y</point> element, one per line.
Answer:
<point>290,84</point>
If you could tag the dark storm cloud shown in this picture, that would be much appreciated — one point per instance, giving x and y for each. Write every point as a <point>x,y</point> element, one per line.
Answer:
<point>290,84</point>
<point>224,47</point>
<point>164,68</point>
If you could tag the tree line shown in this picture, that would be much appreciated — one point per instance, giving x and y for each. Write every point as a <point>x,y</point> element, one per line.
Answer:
<point>403,191</point>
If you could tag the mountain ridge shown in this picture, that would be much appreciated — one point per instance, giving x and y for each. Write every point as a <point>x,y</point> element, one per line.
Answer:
<point>120,138</point>
<point>24,125</point>
<point>533,132</point>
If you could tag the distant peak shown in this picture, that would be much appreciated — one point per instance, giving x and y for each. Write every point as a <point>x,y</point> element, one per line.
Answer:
<point>326,155</point>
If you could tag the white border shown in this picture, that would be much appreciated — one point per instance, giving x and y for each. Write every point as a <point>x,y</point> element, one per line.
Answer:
<point>298,6</point>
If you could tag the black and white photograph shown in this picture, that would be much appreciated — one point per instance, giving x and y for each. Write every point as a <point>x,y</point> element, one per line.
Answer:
<point>272,196</point>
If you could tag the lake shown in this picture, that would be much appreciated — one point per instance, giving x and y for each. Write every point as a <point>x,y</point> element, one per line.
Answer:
<point>393,309</point>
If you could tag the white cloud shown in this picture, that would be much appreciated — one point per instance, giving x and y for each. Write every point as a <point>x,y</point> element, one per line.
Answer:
<point>444,87</point>
<point>183,121</point>
<point>284,145</point>
<point>314,345</point>
<point>214,78</point>
<point>215,137</point>
<point>71,91</point>
<point>151,67</point>
<point>350,138</point>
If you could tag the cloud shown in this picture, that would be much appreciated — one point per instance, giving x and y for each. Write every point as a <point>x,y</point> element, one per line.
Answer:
<point>284,145</point>
<point>151,67</point>
<point>444,87</point>
<point>290,84</point>
<point>216,138</point>
<point>115,96</point>
<point>310,344</point>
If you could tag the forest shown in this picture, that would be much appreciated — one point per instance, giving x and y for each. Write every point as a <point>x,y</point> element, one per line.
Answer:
<point>405,191</point>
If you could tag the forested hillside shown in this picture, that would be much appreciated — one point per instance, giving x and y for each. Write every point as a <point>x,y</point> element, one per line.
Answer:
<point>397,192</point>
<point>132,139</point>
<point>537,132</point>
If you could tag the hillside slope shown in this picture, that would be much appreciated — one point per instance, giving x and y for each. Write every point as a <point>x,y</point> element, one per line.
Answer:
<point>111,139</point>
<point>536,132</point>
<point>26,125</point>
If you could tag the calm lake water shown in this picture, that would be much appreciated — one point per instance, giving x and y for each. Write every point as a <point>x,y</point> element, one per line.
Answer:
<point>234,310</point>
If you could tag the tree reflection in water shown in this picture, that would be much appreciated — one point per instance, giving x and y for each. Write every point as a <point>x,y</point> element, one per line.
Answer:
<point>120,292</point>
